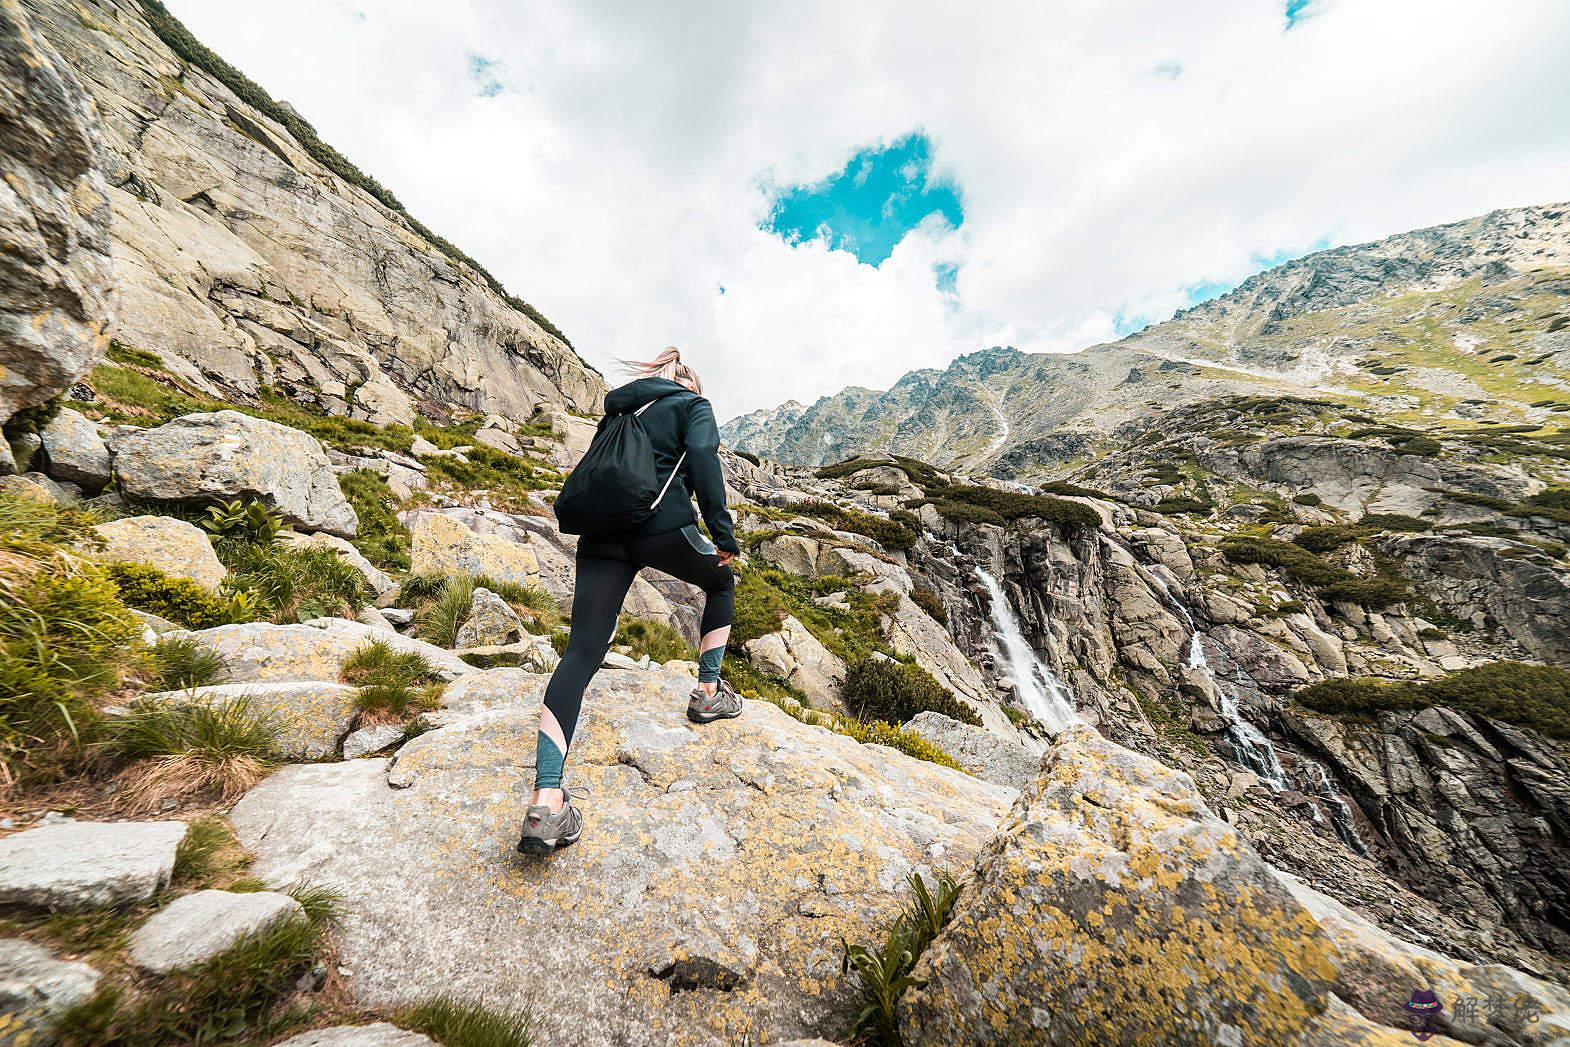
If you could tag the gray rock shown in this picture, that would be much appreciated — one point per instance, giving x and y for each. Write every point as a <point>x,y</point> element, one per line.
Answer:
<point>75,452</point>
<point>978,750</point>
<point>311,715</point>
<point>446,543</point>
<point>372,616</point>
<point>437,852</point>
<point>173,546</point>
<point>196,927</point>
<point>377,1034</point>
<point>227,454</point>
<point>88,865</point>
<point>398,615</point>
<point>616,660</point>
<point>57,303</point>
<point>491,622</point>
<point>36,486</point>
<point>796,656</point>
<point>795,553</point>
<point>315,650</point>
<point>35,989</point>
<point>370,740</point>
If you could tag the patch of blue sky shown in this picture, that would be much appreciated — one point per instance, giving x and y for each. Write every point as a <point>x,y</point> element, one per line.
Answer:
<point>946,275</point>
<point>1169,70</point>
<point>1298,10</point>
<point>1126,322</point>
<point>868,207</point>
<point>486,74</point>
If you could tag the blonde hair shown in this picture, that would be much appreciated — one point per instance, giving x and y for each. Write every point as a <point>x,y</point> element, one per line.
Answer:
<point>667,365</point>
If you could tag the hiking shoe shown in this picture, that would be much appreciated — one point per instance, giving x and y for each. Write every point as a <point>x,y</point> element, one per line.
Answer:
<point>545,831</point>
<point>723,704</point>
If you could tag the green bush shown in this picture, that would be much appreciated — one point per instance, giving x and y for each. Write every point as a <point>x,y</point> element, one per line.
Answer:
<point>381,536</point>
<point>236,523</point>
<point>1534,696</point>
<point>180,600</point>
<point>1174,505</point>
<point>960,501</point>
<point>658,640</point>
<point>454,1023</point>
<point>882,689</point>
<point>297,583</point>
<point>179,662</point>
<point>1292,560</point>
<point>887,532</point>
<point>390,681</point>
<point>65,637</point>
<point>883,975</point>
<point>931,603</point>
<point>1308,498</point>
<point>179,40</point>
<point>1380,590</point>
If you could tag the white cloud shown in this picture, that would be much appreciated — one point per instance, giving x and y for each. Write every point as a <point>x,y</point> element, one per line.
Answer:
<point>616,181</point>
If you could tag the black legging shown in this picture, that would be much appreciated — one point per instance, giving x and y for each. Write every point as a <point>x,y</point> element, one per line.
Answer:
<point>605,570</point>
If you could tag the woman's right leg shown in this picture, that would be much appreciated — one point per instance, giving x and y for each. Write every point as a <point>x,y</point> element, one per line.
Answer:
<point>598,591</point>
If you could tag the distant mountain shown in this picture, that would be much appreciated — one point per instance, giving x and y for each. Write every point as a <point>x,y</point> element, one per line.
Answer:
<point>1462,321</point>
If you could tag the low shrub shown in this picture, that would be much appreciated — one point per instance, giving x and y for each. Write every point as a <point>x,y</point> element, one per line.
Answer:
<point>66,637</point>
<point>381,536</point>
<point>456,1023</point>
<point>390,681</point>
<point>879,732</point>
<point>1379,590</point>
<point>659,641</point>
<point>883,689</point>
<point>884,975</point>
<point>1008,506</point>
<point>1308,498</point>
<point>178,662</point>
<point>193,748</point>
<point>1182,504</point>
<point>931,603</point>
<point>180,600</point>
<point>1292,560</point>
<point>235,523</point>
<point>1534,696</point>
<point>887,532</point>
<point>297,583</point>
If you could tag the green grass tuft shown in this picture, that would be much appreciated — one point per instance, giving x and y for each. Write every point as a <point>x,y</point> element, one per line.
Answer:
<point>382,537</point>
<point>390,680</point>
<point>180,662</point>
<point>661,642</point>
<point>456,1023</point>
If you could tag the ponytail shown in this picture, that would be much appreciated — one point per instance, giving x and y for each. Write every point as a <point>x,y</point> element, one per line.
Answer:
<point>667,365</point>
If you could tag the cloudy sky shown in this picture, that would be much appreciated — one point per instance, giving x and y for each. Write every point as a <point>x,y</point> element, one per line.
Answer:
<point>817,194</point>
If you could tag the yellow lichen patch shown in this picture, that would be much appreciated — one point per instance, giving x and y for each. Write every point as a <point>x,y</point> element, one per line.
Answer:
<point>1113,908</point>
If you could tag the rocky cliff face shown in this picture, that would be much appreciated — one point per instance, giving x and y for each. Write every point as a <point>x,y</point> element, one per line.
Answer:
<point>1444,325</point>
<point>243,260</point>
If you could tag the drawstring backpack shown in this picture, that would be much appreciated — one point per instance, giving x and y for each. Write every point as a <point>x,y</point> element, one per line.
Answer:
<point>615,487</point>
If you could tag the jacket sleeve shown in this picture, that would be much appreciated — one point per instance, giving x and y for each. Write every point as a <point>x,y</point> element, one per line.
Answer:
<point>706,476</point>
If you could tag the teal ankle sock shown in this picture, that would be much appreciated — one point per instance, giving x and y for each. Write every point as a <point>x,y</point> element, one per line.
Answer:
<point>548,761</point>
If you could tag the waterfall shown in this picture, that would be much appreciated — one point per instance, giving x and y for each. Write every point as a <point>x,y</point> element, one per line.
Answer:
<point>1249,745</point>
<point>1340,813</point>
<point>1038,687</point>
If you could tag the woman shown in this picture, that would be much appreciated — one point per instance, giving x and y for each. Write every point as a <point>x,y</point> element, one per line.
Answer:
<point>680,426</point>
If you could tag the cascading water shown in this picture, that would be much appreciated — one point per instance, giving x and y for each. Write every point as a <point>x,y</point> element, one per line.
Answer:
<point>1249,745</point>
<point>1340,813</point>
<point>1038,687</point>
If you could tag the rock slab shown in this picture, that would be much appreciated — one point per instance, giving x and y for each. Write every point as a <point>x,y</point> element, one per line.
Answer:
<point>173,546</point>
<point>1111,906</point>
<point>312,716</point>
<point>978,750</point>
<point>226,454</point>
<point>436,899</point>
<point>442,544</point>
<point>35,988</point>
<point>88,865</point>
<point>198,926</point>
<point>377,1034</point>
<point>313,651</point>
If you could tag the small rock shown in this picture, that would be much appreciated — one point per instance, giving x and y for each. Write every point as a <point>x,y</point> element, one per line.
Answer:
<point>36,486</point>
<point>421,446</point>
<point>614,660</point>
<point>977,750</point>
<point>378,1034</point>
<point>71,865</point>
<point>491,622</point>
<point>397,615</point>
<point>35,988</point>
<point>173,546</point>
<point>75,451</point>
<point>370,740</point>
<point>196,927</point>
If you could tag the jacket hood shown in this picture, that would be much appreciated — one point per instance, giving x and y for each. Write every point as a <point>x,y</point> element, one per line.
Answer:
<point>634,395</point>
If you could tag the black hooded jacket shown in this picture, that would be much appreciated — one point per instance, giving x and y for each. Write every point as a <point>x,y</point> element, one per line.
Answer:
<point>679,420</point>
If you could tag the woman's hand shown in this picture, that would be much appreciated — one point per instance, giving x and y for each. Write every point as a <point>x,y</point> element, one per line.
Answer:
<point>726,558</point>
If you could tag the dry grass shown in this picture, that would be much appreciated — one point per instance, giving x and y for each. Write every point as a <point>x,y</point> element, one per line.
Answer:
<point>150,784</point>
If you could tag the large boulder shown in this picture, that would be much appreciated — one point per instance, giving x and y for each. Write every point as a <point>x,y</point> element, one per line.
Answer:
<point>75,451</point>
<point>35,989</point>
<point>796,656</point>
<point>313,651</point>
<point>441,544</point>
<point>795,553</point>
<point>226,454</point>
<point>312,716</point>
<point>436,901</point>
<point>198,926</point>
<point>980,751</point>
<point>56,274</point>
<point>173,546</point>
<point>491,622</point>
<point>88,865</point>
<point>1111,906</point>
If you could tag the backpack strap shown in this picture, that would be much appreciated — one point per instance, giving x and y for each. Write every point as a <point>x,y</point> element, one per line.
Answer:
<point>660,497</point>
